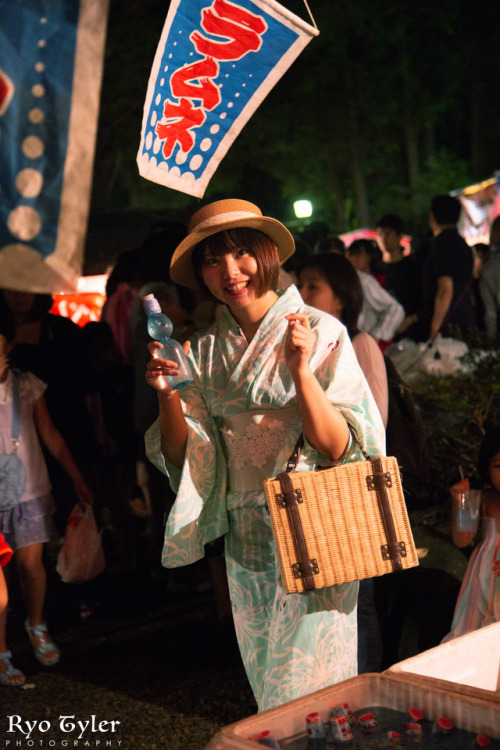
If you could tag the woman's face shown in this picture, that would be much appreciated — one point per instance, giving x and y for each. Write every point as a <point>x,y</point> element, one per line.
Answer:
<point>232,278</point>
<point>317,292</point>
<point>495,471</point>
<point>360,261</point>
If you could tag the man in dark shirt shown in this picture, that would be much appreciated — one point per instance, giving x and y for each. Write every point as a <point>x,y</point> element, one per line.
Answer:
<point>401,271</point>
<point>447,271</point>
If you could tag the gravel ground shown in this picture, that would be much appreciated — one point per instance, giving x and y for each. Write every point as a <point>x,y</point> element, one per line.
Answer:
<point>159,662</point>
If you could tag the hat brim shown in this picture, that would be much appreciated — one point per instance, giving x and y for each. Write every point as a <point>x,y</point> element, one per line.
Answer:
<point>181,265</point>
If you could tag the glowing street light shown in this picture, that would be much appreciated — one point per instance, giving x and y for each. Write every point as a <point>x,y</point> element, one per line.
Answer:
<point>303,209</point>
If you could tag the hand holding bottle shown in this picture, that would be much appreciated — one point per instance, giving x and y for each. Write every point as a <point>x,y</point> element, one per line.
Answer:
<point>159,371</point>
<point>170,369</point>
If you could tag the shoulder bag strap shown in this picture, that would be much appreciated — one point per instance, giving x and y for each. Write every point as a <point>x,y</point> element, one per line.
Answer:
<point>15,412</point>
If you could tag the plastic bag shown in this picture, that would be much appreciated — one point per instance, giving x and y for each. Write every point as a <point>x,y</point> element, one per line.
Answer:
<point>81,557</point>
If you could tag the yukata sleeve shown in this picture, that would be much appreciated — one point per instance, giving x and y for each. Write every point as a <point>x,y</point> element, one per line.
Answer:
<point>199,514</point>
<point>336,367</point>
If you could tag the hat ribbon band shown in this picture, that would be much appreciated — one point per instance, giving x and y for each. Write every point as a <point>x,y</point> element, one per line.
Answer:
<point>224,218</point>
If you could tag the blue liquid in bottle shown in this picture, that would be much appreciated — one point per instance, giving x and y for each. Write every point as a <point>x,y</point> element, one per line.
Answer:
<point>160,329</point>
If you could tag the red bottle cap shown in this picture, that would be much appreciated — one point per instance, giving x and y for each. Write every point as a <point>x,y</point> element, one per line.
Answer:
<point>416,714</point>
<point>482,741</point>
<point>414,728</point>
<point>312,718</point>
<point>444,724</point>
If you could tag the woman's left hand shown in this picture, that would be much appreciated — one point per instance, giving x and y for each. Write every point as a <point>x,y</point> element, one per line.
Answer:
<point>299,342</point>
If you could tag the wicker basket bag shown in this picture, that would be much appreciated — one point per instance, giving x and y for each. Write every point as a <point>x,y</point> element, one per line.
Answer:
<point>339,524</point>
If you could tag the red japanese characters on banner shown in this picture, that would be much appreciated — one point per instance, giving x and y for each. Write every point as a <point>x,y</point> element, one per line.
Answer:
<point>244,31</point>
<point>6,91</point>
<point>215,63</point>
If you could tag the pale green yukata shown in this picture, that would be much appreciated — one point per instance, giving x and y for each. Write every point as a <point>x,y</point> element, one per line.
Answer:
<point>243,422</point>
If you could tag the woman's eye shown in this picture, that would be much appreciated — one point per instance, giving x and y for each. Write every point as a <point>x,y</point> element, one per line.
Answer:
<point>242,251</point>
<point>211,261</point>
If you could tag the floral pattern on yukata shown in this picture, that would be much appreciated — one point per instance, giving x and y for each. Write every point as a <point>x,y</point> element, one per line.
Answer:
<point>291,644</point>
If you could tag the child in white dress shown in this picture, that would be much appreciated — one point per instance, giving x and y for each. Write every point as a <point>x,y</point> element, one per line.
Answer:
<point>28,525</point>
<point>478,601</point>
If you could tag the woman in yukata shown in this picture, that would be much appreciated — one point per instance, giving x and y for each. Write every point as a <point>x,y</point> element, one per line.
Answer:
<point>269,368</point>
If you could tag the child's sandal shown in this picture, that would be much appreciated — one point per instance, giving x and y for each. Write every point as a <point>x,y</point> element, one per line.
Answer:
<point>46,651</point>
<point>11,676</point>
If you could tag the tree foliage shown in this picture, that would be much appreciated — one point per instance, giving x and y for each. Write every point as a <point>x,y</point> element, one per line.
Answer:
<point>392,102</point>
<point>457,410</point>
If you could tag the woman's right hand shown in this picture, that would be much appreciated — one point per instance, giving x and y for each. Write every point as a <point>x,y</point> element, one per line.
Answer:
<point>462,486</point>
<point>157,369</point>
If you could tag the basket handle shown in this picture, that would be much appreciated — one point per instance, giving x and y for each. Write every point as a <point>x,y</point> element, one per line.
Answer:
<point>293,459</point>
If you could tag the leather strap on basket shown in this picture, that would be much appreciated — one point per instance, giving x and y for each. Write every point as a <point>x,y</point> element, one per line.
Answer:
<point>393,548</point>
<point>304,566</point>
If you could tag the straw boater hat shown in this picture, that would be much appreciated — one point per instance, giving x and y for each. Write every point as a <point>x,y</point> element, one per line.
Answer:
<point>216,217</point>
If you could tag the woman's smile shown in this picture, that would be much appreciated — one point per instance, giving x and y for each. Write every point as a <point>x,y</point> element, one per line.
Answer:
<point>237,288</point>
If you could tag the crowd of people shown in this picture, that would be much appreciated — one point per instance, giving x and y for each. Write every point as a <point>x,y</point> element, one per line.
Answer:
<point>280,345</point>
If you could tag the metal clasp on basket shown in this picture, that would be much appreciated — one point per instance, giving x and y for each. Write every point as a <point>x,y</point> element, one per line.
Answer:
<point>298,572</point>
<point>378,480</point>
<point>281,499</point>
<point>386,554</point>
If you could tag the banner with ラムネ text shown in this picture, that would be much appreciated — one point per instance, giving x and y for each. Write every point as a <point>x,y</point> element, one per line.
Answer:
<point>214,65</point>
<point>51,59</point>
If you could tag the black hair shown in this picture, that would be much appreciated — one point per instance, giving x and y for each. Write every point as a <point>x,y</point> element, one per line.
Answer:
<point>490,446</point>
<point>331,244</point>
<point>391,221</point>
<point>368,246</point>
<point>7,327</point>
<point>42,304</point>
<point>446,209</point>
<point>344,282</point>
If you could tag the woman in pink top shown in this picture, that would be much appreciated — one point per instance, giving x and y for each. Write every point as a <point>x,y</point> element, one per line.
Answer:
<point>329,282</point>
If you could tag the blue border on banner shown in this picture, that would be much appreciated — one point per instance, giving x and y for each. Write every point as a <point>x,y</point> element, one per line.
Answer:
<point>37,53</point>
<point>237,80</point>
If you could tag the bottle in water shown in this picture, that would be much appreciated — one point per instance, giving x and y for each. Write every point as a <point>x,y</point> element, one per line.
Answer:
<point>160,329</point>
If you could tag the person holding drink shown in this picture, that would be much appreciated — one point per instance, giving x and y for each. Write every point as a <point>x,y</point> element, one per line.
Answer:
<point>268,369</point>
<point>478,601</point>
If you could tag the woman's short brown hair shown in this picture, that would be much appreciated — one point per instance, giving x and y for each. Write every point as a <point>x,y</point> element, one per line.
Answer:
<point>257,243</point>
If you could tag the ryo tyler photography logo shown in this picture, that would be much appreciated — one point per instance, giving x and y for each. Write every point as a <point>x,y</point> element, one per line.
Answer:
<point>63,731</point>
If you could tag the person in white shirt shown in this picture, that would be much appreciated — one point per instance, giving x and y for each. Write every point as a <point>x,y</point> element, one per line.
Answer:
<point>381,313</point>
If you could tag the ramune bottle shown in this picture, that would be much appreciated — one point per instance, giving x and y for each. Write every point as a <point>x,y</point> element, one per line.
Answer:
<point>160,329</point>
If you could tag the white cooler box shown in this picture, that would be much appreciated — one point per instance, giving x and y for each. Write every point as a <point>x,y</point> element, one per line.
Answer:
<point>374,690</point>
<point>468,665</point>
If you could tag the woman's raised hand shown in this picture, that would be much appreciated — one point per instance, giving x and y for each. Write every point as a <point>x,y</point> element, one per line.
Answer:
<point>157,369</point>
<point>299,341</point>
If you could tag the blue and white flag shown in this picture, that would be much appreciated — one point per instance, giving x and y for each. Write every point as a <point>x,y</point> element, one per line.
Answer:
<point>215,63</point>
<point>51,54</point>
